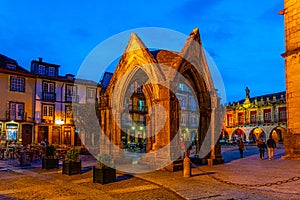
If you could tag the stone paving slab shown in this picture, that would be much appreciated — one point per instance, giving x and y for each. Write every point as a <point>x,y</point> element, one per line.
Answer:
<point>203,184</point>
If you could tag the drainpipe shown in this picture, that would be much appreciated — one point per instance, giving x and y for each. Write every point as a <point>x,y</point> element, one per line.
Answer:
<point>61,105</point>
<point>34,112</point>
<point>61,99</point>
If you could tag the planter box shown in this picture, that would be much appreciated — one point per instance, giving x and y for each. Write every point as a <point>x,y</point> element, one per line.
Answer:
<point>49,163</point>
<point>105,175</point>
<point>24,159</point>
<point>71,168</point>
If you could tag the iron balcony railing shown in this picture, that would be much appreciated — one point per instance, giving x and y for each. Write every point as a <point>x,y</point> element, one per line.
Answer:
<point>49,96</point>
<point>139,109</point>
<point>258,123</point>
<point>131,123</point>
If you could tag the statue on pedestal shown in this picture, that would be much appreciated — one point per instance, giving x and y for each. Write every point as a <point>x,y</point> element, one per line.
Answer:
<point>247,93</point>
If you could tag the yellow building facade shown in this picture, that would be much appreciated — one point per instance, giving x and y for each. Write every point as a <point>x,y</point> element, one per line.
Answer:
<point>253,118</point>
<point>17,88</point>
<point>38,105</point>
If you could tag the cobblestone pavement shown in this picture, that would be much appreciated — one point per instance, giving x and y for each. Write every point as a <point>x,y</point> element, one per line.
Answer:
<point>246,178</point>
<point>52,185</point>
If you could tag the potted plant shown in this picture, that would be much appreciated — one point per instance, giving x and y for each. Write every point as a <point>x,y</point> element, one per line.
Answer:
<point>50,161</point>
<point>72,164</point>
<point>104,172</point>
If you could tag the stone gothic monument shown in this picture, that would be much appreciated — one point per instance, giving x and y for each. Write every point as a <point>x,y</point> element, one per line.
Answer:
<point>140,106</point>
<point>292,67</point>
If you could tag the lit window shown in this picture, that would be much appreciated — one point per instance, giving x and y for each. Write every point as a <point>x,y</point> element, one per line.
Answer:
<point>16,111</point>
<point>253,117</point>
<point>48,87</point>
<point>180,86</point>
<point>69,112</point>
<point>282,114</point>
<point>17,84</point>
<point>48,110</point>
<point>241,118</point>
<point>229,120</point>
<point>267,115</point>
<point>192,103</point>
<point>183,119</point>
<point>71,90</point>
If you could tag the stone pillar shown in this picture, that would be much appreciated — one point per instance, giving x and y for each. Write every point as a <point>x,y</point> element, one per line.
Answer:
<point>292,67</point>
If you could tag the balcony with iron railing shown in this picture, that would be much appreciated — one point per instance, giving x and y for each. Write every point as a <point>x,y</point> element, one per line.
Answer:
<point>137,109</point>
<point>258,123</point>
<point>131,123</point>
<point>49,96</point>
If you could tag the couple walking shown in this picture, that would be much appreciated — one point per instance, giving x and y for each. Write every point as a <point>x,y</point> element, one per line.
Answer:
<point>271,145</point>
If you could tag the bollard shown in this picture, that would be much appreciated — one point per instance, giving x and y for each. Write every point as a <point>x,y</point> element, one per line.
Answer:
<point>186,167</point>
<point>210,162</point>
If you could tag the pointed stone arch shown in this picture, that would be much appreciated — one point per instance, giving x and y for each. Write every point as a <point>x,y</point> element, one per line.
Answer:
<point>161,74</point>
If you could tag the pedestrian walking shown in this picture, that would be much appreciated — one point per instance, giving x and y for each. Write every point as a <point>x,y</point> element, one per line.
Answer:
<point>261,146</point>
<point>271,146</point>
<point>241,146</point>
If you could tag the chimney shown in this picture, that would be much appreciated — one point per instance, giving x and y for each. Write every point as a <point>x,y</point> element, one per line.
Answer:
<point>40,59</point>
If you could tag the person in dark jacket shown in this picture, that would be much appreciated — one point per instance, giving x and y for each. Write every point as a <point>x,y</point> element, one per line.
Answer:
<point>271,146</point>
<point>241,145</point>
<point>261,146</point>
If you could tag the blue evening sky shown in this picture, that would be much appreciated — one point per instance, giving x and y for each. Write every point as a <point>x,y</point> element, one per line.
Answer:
<point>245,38</point>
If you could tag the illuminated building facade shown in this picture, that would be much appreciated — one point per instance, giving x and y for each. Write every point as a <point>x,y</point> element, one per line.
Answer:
<point>17,88</point>
<point>54,100</point>
<point>257,117</point>
<point>189,113</point>
<point>38,105</point>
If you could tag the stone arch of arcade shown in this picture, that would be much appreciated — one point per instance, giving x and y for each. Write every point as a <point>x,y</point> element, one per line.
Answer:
<point>238,133</point>
<point>278,133</point>
<point>254,133</point>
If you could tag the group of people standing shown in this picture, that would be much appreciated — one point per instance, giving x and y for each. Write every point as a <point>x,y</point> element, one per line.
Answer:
<point>271,145</point>
<point>262,145</point>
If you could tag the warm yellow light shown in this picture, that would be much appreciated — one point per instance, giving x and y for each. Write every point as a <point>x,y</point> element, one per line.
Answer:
<point>59,122</point>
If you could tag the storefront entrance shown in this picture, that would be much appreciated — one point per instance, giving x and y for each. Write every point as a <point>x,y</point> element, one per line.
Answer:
<point>67,136</point>
<point>26,134</point>
<point>43,133</point>
<point>56,135</point>
<point>11,131</point>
